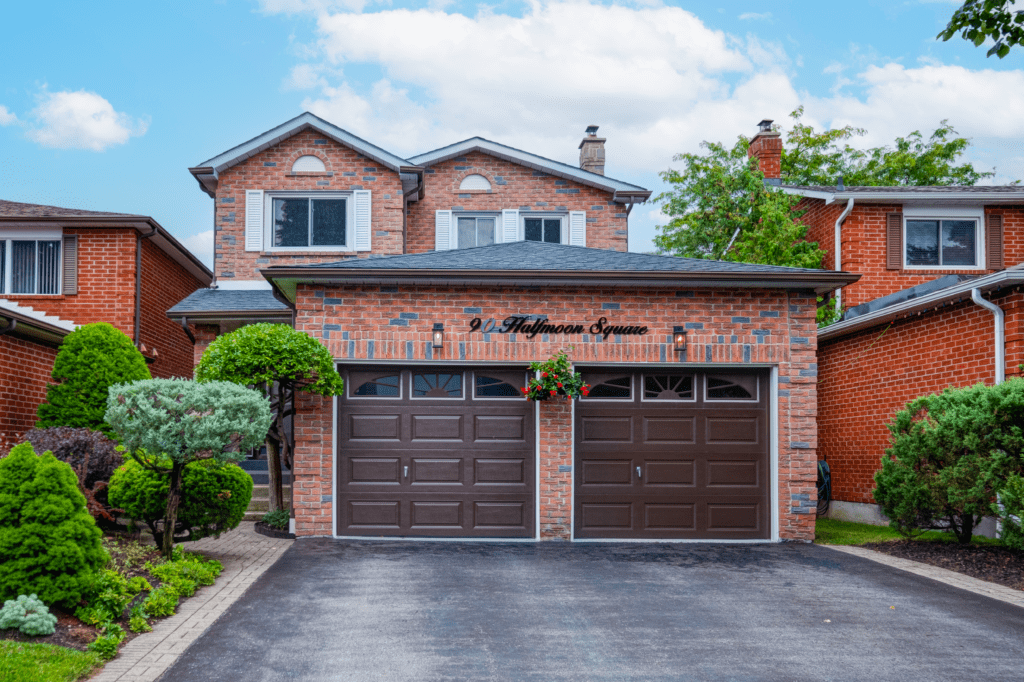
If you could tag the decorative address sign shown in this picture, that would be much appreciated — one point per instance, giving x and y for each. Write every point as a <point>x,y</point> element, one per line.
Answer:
<point>531,326</point>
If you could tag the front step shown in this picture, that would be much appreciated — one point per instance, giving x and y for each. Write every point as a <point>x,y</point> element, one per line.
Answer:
<point>257,468</point>
<point>259,504</point>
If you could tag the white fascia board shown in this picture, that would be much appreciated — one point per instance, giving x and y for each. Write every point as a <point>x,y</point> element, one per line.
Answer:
<point>1009,277</point>
<point>933,197</point>
<point>243,285</point>
<point>811,194</point>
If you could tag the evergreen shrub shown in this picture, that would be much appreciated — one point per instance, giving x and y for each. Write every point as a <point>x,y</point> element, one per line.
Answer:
<point>29,615</point>
<point>1011,497</point>
<point>91,359</point>
<point>49,544</point>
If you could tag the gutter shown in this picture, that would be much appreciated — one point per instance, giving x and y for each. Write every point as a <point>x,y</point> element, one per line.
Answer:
<point>838,247</point>
<point>1000,280</point>
<point>1000,333</point>
<point>901,197</point>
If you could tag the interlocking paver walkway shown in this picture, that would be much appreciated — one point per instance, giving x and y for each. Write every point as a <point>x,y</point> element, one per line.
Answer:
<point>245,555</point>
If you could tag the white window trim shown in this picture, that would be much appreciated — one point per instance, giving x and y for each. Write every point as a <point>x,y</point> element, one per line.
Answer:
<point>268,220</point>
<point>474,214</point>
<point>946,213</point>
<point>561,215</point>
<point>36,236</point>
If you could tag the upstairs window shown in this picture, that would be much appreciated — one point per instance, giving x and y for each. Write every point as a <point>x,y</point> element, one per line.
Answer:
<point>941,242</point>
<point>475,230</point>
<point>30,266</point>
<point>543,229</point>
<point>304,221</point>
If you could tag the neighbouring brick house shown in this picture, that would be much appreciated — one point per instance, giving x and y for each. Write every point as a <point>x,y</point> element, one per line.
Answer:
<point>436,280</point>
<point>66,267</point>
<point>939,304</point>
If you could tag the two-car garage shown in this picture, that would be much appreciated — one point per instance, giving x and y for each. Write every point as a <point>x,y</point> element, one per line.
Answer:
<point>452,451</point>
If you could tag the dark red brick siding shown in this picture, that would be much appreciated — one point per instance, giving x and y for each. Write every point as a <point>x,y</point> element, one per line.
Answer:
<point>24,373</point>
<point>164,284</point>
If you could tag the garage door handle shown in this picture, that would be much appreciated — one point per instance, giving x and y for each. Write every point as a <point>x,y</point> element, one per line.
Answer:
<point>638,474</point>
<point>406,472</point>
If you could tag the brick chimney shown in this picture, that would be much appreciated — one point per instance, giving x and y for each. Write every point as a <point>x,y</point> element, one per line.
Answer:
<point>766,147</point>
<point>592,152</point>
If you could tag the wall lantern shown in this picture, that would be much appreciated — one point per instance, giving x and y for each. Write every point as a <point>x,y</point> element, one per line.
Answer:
<point>679,339</point>
<point>438,335</point>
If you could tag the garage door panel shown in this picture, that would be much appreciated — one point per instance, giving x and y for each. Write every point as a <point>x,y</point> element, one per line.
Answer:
<point>439,514</point>
<point>607,430</point>
<point>607,472</point>
<point>500,515</point>
<point>375,426</point>
<point>511,471</point>
<point>670,430</point>
<point>680,473</point>
<point>436,427</point>
<point>377,470</point>
<point>728,430</point>
<point>606,516</point>
<point>670,517</point>
<point>729,517</point>
<point>726,473</point>
<point>499,427</point>
<point>374,513</point>
<point>436,471</point>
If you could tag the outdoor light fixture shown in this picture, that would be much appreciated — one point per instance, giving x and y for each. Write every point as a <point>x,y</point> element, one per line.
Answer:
<point>438,340</point>
<point>679,339</point>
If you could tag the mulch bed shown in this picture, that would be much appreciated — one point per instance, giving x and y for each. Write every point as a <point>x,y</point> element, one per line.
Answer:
<point>999,565</point>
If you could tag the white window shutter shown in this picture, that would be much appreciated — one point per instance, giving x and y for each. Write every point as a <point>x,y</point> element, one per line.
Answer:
<point>578,228</point>
<point>253,220</point>
<point>443,231</point>
<point>510,225</point>
<point>361,197</point>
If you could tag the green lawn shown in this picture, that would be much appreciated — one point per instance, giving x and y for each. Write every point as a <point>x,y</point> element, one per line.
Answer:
<point>22,662</point>
<point>833,532</point>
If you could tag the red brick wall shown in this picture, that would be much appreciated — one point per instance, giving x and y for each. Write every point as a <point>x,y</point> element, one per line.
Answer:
<point>512,186</point>
<point>346,169</point>
<point>866,377</point>
<point>743,327</point>
<point>24,373</point>
<point>164,283</point>
<point>820,220</point>
<point>556,449</point>
<point>767,149</point>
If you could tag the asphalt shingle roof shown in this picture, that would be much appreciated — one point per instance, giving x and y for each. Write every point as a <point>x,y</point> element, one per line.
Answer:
<point>927,189</point>
<point>539,256</point>
<point>229,300</point>
<point>14,209</point>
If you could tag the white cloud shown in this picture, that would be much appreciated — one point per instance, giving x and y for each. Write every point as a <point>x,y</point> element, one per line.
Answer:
<point>755,16</point>
<point>201,246</point>
<point>81,120</point>
<point>7,117</point>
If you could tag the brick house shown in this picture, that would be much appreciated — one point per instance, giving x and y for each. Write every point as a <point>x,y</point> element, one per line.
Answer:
<point>60,268</point>
<point>436,280</point>
<point>939,304</point>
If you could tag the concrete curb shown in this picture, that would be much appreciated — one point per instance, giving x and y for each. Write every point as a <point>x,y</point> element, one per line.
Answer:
<point>942,575</point>
<point>245,555</point>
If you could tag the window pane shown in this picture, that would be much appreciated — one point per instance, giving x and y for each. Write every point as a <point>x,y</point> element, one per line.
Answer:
<point>291,222</point>
<point>493,387</point>
<point>553,231</point>
<point>3,265</point>
<point>533,229</point>
<point>23,267</point>
<point>386,386</point>
<point>441,385</point>
<point>467,232</point>
<point>958,242</point>
<point>49,268</point>
<point>329,222</point>
<point>619,387</point>
<point>922,242</point>
<point>484,231</point>
<point>732,387</point>
<point>668,387</point>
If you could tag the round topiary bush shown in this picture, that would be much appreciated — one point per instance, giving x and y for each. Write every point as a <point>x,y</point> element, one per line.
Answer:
<point>214,497</point>
<point>49,544</point>
<point>92,358</point>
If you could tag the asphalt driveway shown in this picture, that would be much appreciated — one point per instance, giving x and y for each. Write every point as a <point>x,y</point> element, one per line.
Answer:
<point>396,611</point>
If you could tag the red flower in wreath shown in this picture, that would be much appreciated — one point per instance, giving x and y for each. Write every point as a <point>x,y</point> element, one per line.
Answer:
<point>553,392</point>
<point>560,384</point>
<point>544,374</point>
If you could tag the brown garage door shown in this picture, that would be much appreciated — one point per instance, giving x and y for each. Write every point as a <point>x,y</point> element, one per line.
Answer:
<point>672,455</point>
<point>435,452</point>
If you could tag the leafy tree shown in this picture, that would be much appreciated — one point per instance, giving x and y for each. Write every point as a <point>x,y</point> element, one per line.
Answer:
<point>278,361</point>
<point>49,544</point>
<point>165,424</point>
<point>978,20</point>
<point>92,358</point>
<point>949,456</point>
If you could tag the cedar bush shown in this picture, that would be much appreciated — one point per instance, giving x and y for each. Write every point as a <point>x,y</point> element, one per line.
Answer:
<point>1011,497</point>
<point>949,456</point>
<point>92,456</point>
<point>49,544</point>
<point>92,358</point>
<point>214,497</point>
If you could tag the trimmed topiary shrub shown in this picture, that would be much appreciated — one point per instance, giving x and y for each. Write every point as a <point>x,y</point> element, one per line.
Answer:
<point>214,497</point>
<point>49,544</point>
<point>92,358</point>
<point>1011,512</point>
<point>92,457</point>
<point>949,455</point>
<point>29,615</point>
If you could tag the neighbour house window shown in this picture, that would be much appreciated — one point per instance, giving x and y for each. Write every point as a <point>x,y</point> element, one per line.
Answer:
<point>941,242</point>
<point>475,230</point>
<point>542,229</point>
<point>30,266</point>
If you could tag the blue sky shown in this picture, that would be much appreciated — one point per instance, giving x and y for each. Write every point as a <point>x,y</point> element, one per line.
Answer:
<point>105,105</point>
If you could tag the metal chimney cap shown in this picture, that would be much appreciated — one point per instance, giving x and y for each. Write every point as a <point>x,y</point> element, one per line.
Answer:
<point>592,130</point>
<point>765,126</point>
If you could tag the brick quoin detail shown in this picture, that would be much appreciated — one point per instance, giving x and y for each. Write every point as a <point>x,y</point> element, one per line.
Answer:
<point>24,373</point>
<point>735,328</point>
<point>865,378</point>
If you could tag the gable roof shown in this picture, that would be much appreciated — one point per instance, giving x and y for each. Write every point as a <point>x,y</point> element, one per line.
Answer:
<point>1001,194</point>
<point>16,213</point>
<point>208,171</point>
<point>623,191</point>
<point>527,263</point>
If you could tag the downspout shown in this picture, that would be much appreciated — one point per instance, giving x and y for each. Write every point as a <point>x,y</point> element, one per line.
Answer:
<point>138,283</point>
<point>839,245</point>
<point>997,314</point>
<point>184,325</point>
